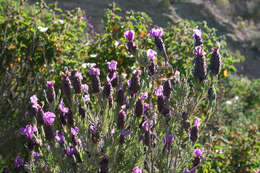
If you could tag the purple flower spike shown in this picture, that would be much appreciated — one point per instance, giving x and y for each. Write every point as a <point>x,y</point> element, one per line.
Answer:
<point>36,157</point>
<point>125,132</point>
<point>137,170</point>
<point>112,65</point>
<point>75,131</point>
<point>18,162</point>
<point>94,71</point>
<point>151,54</point>
<point>129,35</point>
<point>33,99</point>
<point>48,118</point>
<point>159,91</point>
<point>144,95</point>
<point>198,152</point>
<point>156,32</point>
<point>197,122</point>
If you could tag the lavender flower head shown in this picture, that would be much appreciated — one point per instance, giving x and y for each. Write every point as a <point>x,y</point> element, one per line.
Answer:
<point>94,71</point>
<point>197,122</point>
<point>48,118</point>
<point>186,170</point>
<point>112,65</point>
<point>137,170</point>
<point>28,131</point>
<point>159,91</point>
<point>33,99</point>
<point>60,137</point>
<point>75,131</point>
<point>18,162</point>
<point>151,54</point>
<point>129,35</point>
<point>36,157</point>
<point>86,98</point>
<point>156,32</point>
<point>198,152</point>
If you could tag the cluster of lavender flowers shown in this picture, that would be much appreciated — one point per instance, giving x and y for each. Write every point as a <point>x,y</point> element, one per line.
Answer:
<point>118,108</point>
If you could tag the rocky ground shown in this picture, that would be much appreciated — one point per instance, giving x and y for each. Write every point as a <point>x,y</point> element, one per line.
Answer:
<point>247,42</point>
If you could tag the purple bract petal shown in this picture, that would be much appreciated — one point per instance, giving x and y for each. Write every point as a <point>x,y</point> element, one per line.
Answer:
<point>156,32</point>
<point>137,170</point>
<point>36,157</point>
<point>50,83</point>
<point>159,91</point>
<point>18,162</point>
<point>85,88</point>
<point>94,71</point>
<point>197,122</point>
<point>199,51</point>
<point>62,108</point>
<point>112,65</point>
<point>129,35</point>
<point>144,95</point>
<point>198,152</point>
<point>48,118</point>
<point>151,54</point>
<point>33,99</point>
<point>75,131</point>
<point>196,33</point>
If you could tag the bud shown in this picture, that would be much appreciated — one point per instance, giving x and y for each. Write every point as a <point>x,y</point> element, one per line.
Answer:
<point>82,112</point>
<point>104,164</point>
<point>121,119</point>
<point>200,69</point>
<point>215,62</point>
<point>134,82</point>
<point>212,94</point>
<point>107,89</point>
<point>70,118</point>
<point>76,79</point>
<point>40,115</point>
<point>66,85</point>
<point>160,103</point>
<point>194,133</point>
<point>94,76</point>
<point>167,88</point>
<point>50,92</point>
<point>151,69</point>
<point>120,96</point>
<point>48,130</point>
<point>139,108</point>
<point>110,101</point>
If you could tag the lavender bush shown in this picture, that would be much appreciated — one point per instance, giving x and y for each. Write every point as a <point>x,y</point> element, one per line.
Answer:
<point>146,123</point>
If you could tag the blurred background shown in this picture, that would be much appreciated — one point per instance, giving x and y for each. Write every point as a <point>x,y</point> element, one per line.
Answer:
<point>237,20</point>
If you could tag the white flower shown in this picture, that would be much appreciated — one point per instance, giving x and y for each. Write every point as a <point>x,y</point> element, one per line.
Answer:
<point>42,29</point>
<point>229,102</point>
